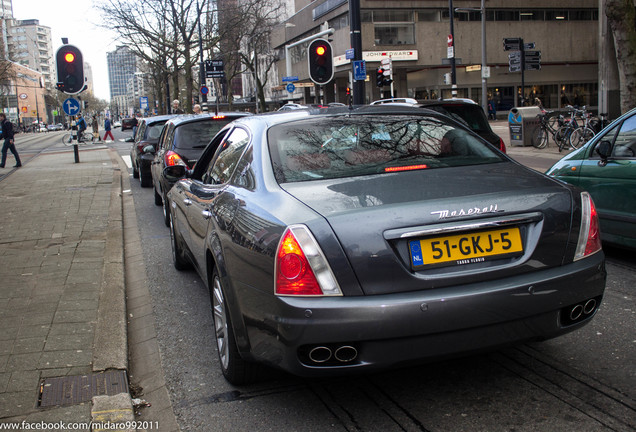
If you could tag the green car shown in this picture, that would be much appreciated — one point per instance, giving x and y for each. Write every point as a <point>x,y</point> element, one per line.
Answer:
<point>606,168</point>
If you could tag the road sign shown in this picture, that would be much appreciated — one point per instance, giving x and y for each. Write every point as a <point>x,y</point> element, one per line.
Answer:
<point>359,70</point>
<point>23,96</point>
<point>533,56</point>
<point>71,106</point>
<point>450,52</point>
<point>291,87</point>
<point>528,46</point>
<point>214,69</point>
<point>512,44</point>
<point>514,57</point>
<point>290,79</point>
<point>533,66</point>
<point>449,40</point>
<point>204,90</point>
<point>143,102</point>
<point>485,72</point>
<point>349,54</point>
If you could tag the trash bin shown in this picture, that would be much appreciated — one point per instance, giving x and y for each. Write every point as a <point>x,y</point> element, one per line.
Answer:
<point>522,121</point>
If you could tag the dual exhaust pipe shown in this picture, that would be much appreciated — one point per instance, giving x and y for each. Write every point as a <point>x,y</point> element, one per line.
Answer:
<point>342,354</point>
<point>582,309</point>
<point>579,312</point>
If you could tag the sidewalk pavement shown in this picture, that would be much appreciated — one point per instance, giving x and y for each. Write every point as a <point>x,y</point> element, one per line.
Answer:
<point>550,153</point>
<point>63,341</point>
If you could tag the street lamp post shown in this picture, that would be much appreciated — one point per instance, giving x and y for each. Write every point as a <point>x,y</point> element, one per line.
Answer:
<point>204,95</point>
<point>484,64</point>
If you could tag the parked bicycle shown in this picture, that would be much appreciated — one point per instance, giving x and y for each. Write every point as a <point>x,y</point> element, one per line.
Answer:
<point>85,138</point>
<point>548,125</point>
<point>583,133</point>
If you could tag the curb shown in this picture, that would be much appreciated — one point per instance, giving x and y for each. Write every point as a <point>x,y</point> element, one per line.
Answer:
<point>145,369</point>
<point>110,349</point>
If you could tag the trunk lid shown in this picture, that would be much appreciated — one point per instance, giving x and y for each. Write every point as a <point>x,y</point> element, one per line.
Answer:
<point>380,221</point>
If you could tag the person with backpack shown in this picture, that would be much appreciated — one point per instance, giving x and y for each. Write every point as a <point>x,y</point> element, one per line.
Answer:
<point>9,143</point>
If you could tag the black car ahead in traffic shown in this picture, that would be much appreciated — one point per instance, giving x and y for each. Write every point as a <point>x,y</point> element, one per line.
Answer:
<point>466,111</point>
<point>182,141</point>
<point>335,241</point>
<point>129,123</point>
<point>142,151</point>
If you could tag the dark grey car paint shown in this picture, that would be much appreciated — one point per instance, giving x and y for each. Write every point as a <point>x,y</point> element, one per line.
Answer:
<point>408,316</point>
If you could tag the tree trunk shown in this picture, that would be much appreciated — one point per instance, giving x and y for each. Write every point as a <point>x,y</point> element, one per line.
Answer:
<point>621,15</point>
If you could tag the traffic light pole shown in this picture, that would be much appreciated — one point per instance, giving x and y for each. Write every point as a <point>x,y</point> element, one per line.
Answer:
<point>356,44</point>
<point>451,15</point>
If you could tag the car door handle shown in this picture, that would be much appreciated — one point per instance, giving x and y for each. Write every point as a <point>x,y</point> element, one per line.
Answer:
<point>206,214</point>
<point>187,201</point>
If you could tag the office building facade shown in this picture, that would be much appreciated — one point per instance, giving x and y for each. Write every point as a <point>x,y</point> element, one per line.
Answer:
<point>415,35</point>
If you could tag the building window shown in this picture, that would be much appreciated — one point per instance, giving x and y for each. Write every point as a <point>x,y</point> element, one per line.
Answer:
<point>394,27</point>
<point>394,34</point>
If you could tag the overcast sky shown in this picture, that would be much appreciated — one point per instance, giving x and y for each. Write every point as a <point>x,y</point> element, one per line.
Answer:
<point>75,20</point>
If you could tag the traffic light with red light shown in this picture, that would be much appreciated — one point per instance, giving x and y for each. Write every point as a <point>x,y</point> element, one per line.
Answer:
<point>70,69</point>
<point>320,58</point>
<point>379,77</point>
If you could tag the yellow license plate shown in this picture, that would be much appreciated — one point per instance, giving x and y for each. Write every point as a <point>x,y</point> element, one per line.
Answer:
<point>467,248</point>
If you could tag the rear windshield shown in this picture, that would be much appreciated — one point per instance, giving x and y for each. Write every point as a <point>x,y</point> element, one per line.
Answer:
<point>197,135</point>
<point>353,146</point>
<point>154,130</point>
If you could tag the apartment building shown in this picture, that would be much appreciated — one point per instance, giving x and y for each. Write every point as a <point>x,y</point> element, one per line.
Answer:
<point>30,44</point>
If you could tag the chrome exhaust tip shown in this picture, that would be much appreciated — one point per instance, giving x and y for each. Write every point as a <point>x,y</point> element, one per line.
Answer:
<point>589,307</point>
<point>320,354</point>
<point>346,353</point>
<point>576,312</point>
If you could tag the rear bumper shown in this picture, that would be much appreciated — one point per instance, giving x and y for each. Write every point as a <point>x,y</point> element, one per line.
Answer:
<point>398,329</point>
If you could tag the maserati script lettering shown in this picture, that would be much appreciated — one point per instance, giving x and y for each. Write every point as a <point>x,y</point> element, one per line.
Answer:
<point>444,214</point>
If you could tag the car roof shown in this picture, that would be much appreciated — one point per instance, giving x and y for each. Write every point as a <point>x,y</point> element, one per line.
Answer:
<point>155,119</point>
<point>192,118</point>
<point>279,117</point>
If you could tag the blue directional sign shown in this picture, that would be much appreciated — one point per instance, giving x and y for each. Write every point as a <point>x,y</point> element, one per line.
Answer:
<point>71,106</point>
<point>349,54</point>
<point>291,87</point>
<point>359,70</point>
<point>290,78</point>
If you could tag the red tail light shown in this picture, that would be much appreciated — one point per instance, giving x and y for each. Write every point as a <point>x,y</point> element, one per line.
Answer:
<point>301,268</point>
<point>172,159</point>
<point>502,145</point>
<point>590,232</point>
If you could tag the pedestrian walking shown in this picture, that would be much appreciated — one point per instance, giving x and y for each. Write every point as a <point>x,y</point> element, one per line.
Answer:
<point>95,126</point>
<point>492,110</point>
<point>107,129</point>
<point>9,144</point>
<point>175,107</point>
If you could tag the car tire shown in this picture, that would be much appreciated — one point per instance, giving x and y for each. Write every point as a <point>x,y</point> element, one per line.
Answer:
<point>178,258</point>
<point>135,172</point>
<point>145,179</point>
<point>235,369</point>
<point>166,211</point>
<point>158,199</point>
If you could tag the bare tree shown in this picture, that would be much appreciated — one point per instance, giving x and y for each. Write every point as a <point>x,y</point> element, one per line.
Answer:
<point>248,23</point>
<point>164,35</point>
<point>621,15</point>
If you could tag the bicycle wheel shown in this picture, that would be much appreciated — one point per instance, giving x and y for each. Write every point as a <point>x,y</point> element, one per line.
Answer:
<point>580,136</point>
<point>540,138</point>
<point>67,139</point>
<point>561,136</point>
